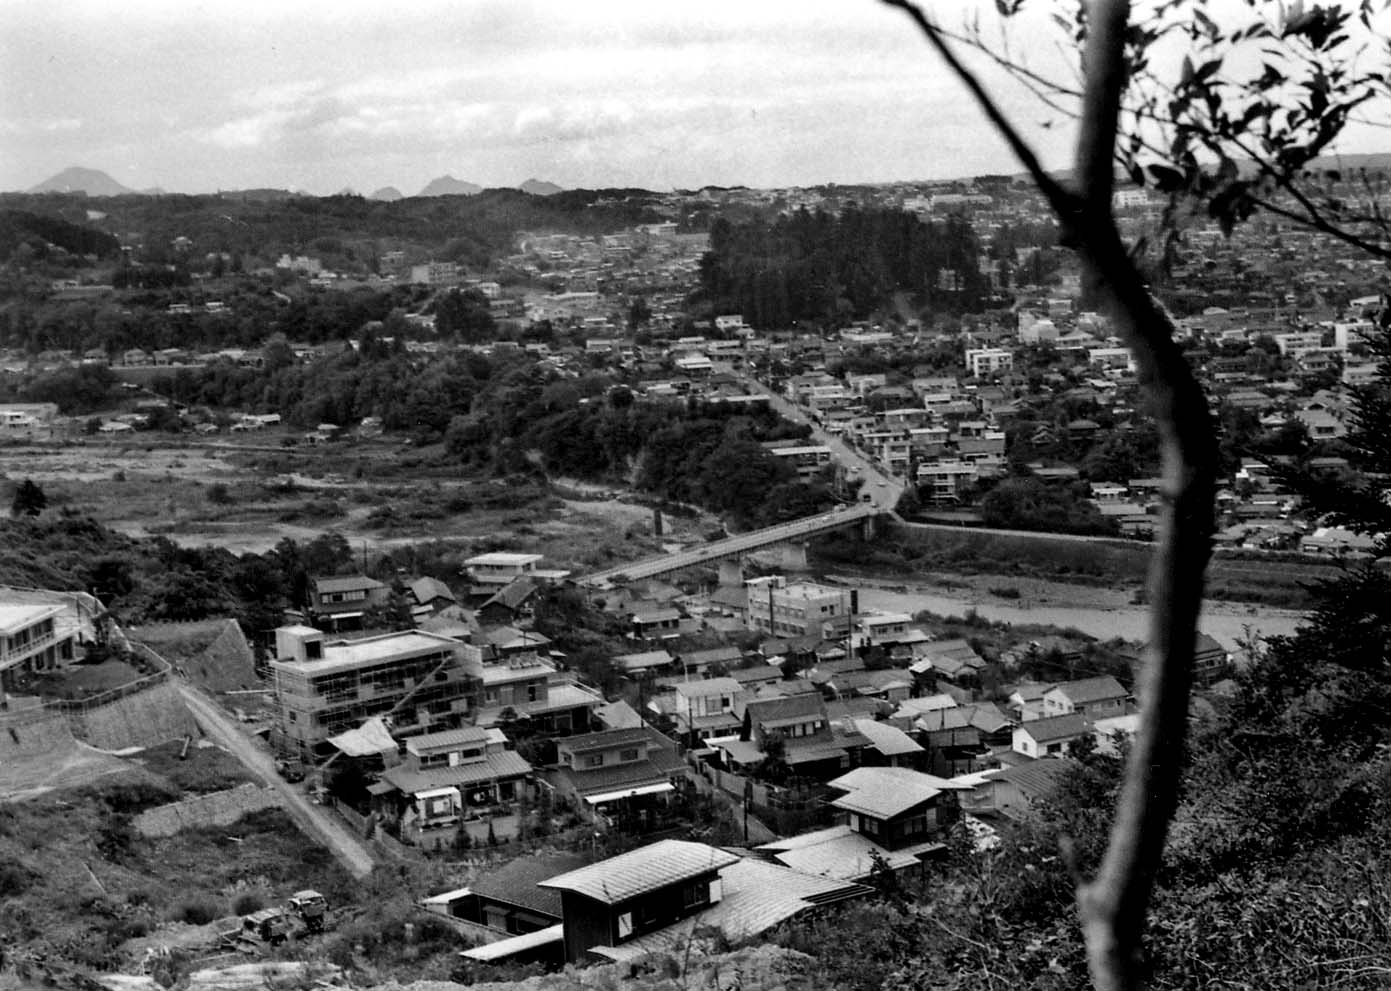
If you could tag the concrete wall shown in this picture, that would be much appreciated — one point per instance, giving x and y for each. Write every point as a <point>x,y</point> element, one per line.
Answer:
<point>220,808</point>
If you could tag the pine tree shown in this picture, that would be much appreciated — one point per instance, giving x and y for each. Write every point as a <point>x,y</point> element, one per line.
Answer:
<point>29,499</point>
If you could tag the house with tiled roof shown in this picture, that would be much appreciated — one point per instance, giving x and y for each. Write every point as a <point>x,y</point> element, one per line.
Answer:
<point>510,604</point>
<point>449,776</point>
<point>888,745</point>
<point>509,899</point>
<point>893,821</point>
<point>1049,737</point>
<point>705,708</point>
<point>627,774</point>
<point>432,594</point>
<point>1014,791</point>
<point>813,746</point>
<point>1096,698</point>
<point>662,897</point>
<point>340,602</point>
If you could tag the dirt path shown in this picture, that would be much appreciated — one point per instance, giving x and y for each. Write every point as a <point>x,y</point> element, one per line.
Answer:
<point>313,819</point>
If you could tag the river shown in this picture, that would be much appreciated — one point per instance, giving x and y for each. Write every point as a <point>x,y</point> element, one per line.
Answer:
<point>1226,621</point>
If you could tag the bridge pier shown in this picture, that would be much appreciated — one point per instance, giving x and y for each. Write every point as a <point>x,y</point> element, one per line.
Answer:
<point>870,530</point>
<point>794,557</point>
<point>731,572</point>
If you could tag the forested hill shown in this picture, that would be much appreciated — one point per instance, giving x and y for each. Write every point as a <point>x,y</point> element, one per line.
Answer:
<point>471,229</point>
<point>818,267</point>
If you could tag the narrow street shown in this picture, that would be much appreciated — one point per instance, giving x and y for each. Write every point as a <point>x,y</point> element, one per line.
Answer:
<point>883,487</point>
<point>315,820</point>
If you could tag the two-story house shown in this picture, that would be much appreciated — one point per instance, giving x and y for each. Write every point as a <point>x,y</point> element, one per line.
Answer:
<point>626,774</point>
<point>448,776</point>
<point>30,640</point>
<point>706,708</point>
<point>628,896</point>
<point>662,898</point>
<point>341,602</point>
<point>894,816</point>
<point>811,745</point>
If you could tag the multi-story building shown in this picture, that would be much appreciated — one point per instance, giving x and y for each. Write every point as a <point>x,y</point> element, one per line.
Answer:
<point>30,640</point>
<point>984,362</point>
<point>807,459</point>
<point>422,682</point>
<point>802,609</point>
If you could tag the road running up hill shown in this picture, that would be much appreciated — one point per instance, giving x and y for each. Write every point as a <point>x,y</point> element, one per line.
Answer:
<point>314,819</point>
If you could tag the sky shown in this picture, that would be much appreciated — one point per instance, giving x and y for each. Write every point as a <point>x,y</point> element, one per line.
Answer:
<point>194,96</point>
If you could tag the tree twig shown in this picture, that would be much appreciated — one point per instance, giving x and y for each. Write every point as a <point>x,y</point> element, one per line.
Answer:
<point>1113,905</point>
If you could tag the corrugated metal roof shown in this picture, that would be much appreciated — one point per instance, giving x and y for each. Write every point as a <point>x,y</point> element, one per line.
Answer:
<point>888,740</point>
<point>648,868</point>
<point>757,895</point>
<point>884,792</point>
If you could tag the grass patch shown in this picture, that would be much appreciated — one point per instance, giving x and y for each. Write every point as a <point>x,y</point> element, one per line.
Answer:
<point>203,770</point>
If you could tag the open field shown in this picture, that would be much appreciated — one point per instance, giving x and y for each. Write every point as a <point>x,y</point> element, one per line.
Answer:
<point>247,499</point>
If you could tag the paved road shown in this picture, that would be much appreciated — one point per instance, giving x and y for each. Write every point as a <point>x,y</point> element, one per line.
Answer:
<point>884,489</point>
<point>735,546</point>
<point>315,820</point>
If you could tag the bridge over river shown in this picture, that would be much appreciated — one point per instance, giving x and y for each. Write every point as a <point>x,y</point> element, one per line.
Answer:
<point>794,533</point>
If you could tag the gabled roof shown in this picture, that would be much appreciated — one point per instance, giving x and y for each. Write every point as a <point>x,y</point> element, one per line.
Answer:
<point>1036,779</point>
<point>1090,690</point>
<point>886,739</point>
<point>708,687</point>
<point>604,739</point>
<point>650,868</point>
<point>783,709</point>
<point>884,792</point>
<point>643,660</point>
<point>428,589</point>
<point>517,882</point>
<point>346,583</point>
<point>1065,727</point>
<point>507,764</point>
<point>513,594</point>
<point>713,655</point>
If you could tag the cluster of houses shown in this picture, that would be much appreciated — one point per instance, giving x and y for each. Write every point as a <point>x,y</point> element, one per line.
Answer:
<point>469,722</point>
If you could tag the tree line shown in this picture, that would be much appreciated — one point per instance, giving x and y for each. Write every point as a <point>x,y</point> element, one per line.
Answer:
<point>818,267</point>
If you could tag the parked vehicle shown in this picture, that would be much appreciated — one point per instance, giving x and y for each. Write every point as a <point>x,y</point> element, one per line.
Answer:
<point>311,907</point>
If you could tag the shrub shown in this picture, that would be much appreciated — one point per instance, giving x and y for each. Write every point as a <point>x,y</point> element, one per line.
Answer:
<point>14,880</point>
<point>196,913</point>
<point>248,902</point>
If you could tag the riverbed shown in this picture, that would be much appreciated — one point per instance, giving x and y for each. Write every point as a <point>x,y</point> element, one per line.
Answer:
<point>1099,612</point>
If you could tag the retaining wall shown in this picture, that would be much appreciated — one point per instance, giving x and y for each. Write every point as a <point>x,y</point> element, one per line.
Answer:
<point>145,719</point>
<point>33,731</point>
<point>220,808</point>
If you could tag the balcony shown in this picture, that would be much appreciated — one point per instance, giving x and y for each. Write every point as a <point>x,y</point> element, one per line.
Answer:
<point>10,654</point>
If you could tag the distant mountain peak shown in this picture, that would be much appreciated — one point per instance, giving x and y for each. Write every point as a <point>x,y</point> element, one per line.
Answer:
<point>76,179</point>
<point>539,187</point>
<point>390,194</point>
<point>447,185</point>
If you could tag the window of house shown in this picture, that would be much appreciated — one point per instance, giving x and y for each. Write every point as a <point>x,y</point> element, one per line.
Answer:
<point>870,827</point>
<point>629,754</point>
<point>532,692</point>
<point>694,894</point>
<point>294,716</point>
<point>594,760</point>
<point>490,696</point>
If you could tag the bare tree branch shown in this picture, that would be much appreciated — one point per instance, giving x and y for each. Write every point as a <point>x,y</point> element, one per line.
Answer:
<point>1114,904</point>
<point>1060,199</point>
